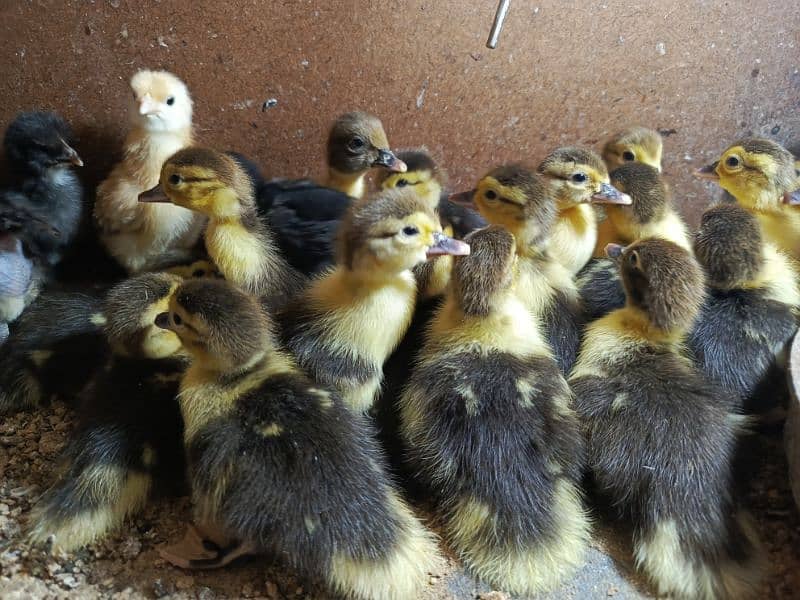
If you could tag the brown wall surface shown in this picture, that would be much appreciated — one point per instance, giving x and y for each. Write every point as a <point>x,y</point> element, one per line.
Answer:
<point>564,73</point>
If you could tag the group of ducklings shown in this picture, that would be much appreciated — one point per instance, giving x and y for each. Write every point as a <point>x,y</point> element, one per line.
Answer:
<point>571,325</point>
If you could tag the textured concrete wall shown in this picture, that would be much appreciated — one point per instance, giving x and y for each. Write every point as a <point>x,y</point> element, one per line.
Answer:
<point>705,72</point>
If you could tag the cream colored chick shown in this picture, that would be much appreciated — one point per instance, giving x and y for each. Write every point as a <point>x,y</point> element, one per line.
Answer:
<point>145,237</point>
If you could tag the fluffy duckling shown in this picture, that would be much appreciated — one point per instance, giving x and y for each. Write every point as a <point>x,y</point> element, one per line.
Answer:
<point>279,465</point>
<point>519,199</point>
<point>129,437</point>
<point>144,237</point>
<point>44,207</point>
<point>305,216</point>
<point>650,214</point>
<point>748,319</point>
<point>661,439</point>
<point>635,144</point>
<point>239,244</point>
<point>489,427</point>
<point>427,180</point>
<point>577,177</point>
<point>761,175</point>
<point>346,323</point>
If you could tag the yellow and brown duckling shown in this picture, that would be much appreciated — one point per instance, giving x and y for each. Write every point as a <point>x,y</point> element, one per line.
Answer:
<point>648,413</point>
<point>489,428</point>
<point>650,214</point>
<point>763,178</point>
<point>748,320</point>
<point>279,465</point>
<point>634,144</point>
<point>305,215</point>
<point>346,323</point>
<point>519,199</point>
<point>576,178</point>
<point>238,243</point>
<point>128,441</point>
<point>428,181</point>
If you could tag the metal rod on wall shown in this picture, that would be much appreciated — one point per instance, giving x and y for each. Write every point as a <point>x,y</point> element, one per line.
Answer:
<point>499,18</point>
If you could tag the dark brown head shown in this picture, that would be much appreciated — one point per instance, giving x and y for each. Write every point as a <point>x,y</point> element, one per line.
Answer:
<point>357,143</point>
<point>391,232</point>
<point>635,144</point>
<point>578,175</point>
<point>478,278</point>
<point>663,280</point>
<point>423,176</point>
<point>729,246</point>
<point>131,310</point>
<point>648,192</point>
<point>219,325</point>
<point>515,197</point>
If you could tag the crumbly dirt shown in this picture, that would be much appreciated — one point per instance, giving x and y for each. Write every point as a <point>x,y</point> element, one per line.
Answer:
<point>126,565</point>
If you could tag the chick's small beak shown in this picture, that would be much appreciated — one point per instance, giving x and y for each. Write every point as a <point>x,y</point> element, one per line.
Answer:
<point>162,320</point>
<point>463,198</point>
<point>614,251</point>
<point>71,156</point>
<point>708,172</point>
<point>147,106</point>
<point>387,159</point>
<point>608,194</point>
<point>447,245</point>
<point>792,198</point>
<point>155,194</point>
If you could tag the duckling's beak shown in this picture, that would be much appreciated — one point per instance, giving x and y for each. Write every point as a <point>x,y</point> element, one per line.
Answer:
<point>792,198</point>
<point>608,194</point>
<point>447,245</point>
<point>70,155</point>
<point>463,198</point>
<point>155,194</point>
<point>708,172</point>
<point>162,320</point>
<point>614,251</point>
<point>387,159</point>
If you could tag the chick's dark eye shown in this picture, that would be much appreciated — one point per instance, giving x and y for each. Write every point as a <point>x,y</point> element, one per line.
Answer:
<point>170,100</point>
<point>410,230</point>
<point>402,182</point>
<point>356,143</point>
<point>732,161</point>
<point>176,318</point>
<point>579,177</point>
<point>175,179</point>
<point>490,195</point>
<point>628,155</point>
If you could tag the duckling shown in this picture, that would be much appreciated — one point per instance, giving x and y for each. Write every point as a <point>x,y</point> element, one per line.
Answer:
<point>427,180</point>
<point>661,438</point>
<point>129,439</point>
<point>650,214</point>
<point>46,202</point>
<point>638,144</point>
<point>305,216</point>
<point>761,175</point>
<point>748,319</point>
<point>519,199</point>
<point>239,244</point>
<point>577,177</point>
<point>277,462</point>
<point>346,323</point>
<point>487,420</point>
<point>143,237</point>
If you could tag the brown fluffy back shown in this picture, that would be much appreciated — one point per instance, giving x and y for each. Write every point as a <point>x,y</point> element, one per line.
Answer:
<point>729,245</point>
<point>477,278</point>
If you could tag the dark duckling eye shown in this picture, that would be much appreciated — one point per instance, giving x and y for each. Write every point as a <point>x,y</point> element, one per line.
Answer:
<point>579,177</point>
<point>176,318</point>
<point>410,230</point>
<point>732,161</point>
<point>490,195</point>
<point>628,155</point>
<point>175,179</point>
<point>402,182</point>
<point>633,259</point>
<point>356,143</point>
<point>170,100</point>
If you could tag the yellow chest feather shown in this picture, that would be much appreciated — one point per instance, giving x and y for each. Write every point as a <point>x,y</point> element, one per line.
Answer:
<point>779,276</point>
<point>670,227</point>
<point>238,253</point>
<point>538,281</point>
<point>574,237</point>
<point>782,229</point>
<point>368,317</point>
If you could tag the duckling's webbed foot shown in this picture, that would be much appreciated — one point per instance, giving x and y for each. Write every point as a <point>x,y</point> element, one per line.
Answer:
<point>205,550</point>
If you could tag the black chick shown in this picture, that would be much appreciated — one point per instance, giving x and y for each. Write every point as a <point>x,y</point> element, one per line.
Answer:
<point>45,205</point>
<point>748,319</point>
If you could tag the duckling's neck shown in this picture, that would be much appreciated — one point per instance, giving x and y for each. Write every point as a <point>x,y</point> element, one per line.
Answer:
<point>668,226</point>
<point>351,184</point>
<point>635,324</point>
<point>778,277</point>
<point>755,196</point>
<point>574,236</point>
